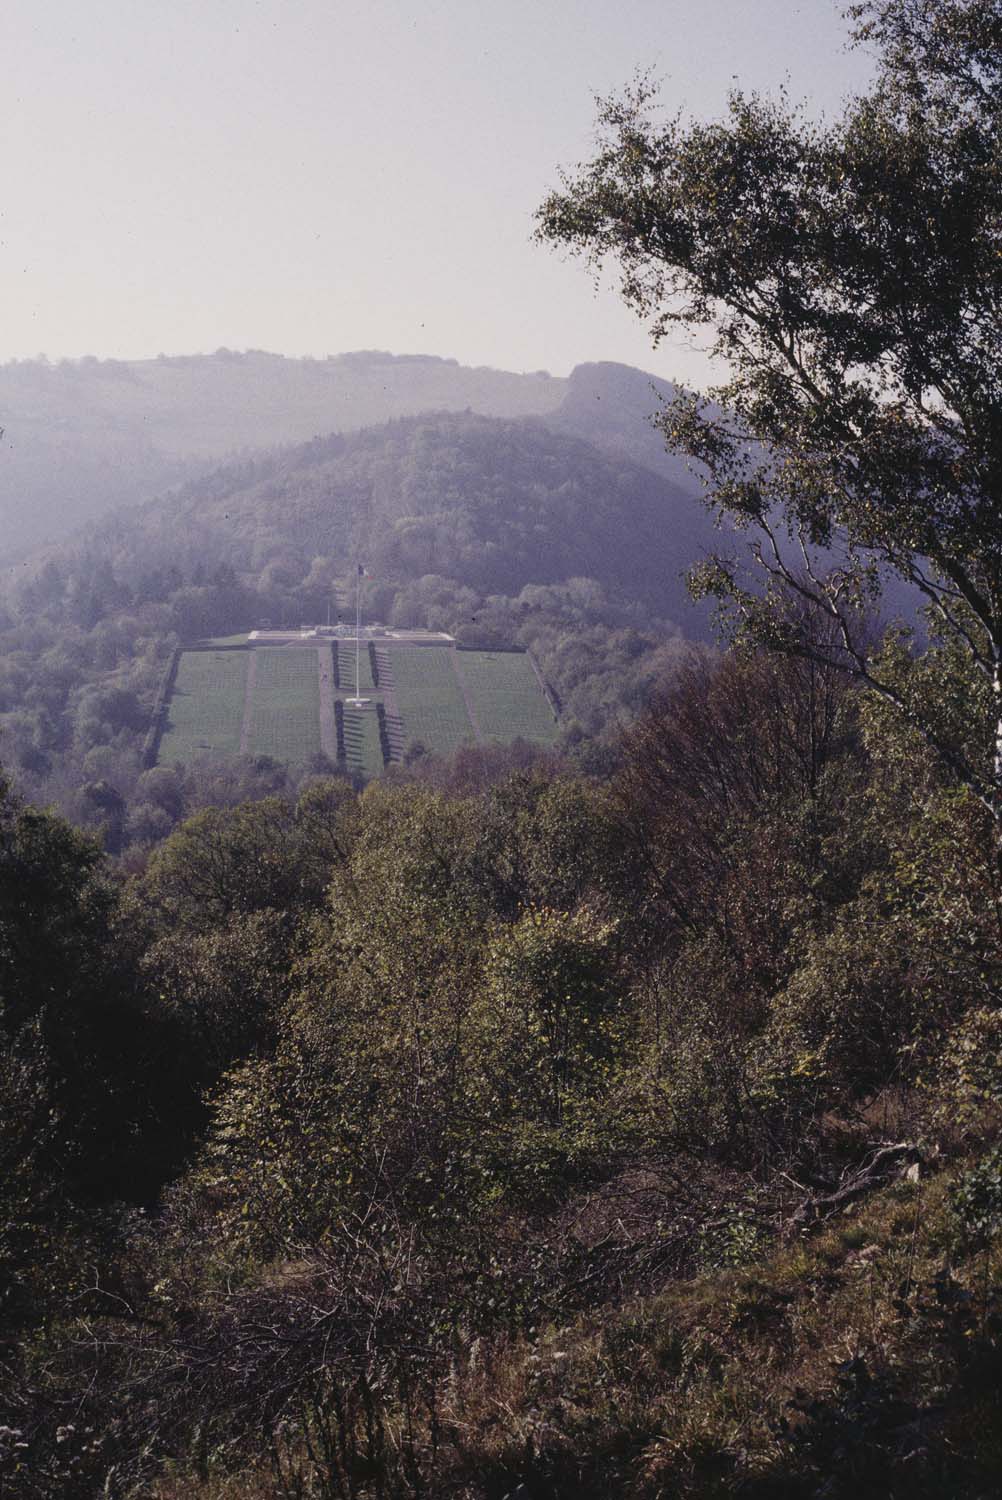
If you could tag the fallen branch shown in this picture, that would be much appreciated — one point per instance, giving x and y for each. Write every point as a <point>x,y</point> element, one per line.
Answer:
<point>883,1164</point>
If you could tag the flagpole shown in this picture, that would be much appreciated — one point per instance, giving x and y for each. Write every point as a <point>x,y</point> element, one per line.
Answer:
<point>358,632</point>
<point>358,701</point>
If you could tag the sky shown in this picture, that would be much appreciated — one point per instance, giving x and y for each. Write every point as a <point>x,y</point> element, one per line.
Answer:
<point>314,176</point>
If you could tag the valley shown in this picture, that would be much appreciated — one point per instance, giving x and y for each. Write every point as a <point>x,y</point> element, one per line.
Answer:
<point>501,872</point>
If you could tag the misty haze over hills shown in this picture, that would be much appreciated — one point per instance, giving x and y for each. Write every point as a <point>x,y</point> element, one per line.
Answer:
<point>85,437</point>
<point>500,979</point>
<point>180,503</point>
<point>492,502</point>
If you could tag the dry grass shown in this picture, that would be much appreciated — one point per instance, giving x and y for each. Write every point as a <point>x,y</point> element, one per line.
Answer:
<point>729,1384</point>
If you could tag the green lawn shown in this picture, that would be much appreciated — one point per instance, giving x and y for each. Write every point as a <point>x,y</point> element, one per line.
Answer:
<point>206,706</point>
<point>346,669</point>
<point>429,698</point>
<point>285,720</point>
<point>506,697</point>
<point>361,740</point>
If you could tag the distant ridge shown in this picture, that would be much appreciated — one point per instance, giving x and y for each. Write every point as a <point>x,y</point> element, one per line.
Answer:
<point>611,405</point>
<point>494,503</point>
<point>83,437</point>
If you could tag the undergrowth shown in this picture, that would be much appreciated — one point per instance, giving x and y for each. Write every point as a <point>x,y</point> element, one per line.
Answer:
<point>863,1360</point>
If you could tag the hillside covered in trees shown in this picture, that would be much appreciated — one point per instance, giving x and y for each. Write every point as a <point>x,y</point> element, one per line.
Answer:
<point>623,1120</point>
<point>493,504</point>
<point>502,532</point>
<point>82,437</point>
<point>630,1138</point>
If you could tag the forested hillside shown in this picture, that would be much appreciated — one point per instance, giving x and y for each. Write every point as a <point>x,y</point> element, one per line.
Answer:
<point>612,407</point>
<point>493,504</point>
<point>84,436</point>
<point>501,532</point>
<point>633,1138</point>
<point>619,1119</point>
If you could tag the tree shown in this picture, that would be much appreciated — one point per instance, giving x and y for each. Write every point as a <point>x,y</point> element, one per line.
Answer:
<point>752,745</point>
<point>550,1013</point>
<point>223,861</point>
<point>851,279</point>
<point>82,1069</point>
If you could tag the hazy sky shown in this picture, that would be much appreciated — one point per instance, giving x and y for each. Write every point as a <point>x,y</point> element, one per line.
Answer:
<point>311,176</point>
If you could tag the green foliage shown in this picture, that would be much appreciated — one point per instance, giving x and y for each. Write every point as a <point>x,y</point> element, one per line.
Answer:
<point>737,1240</point>
<point>550,842</point>
<point>968,1081</point>
<point>223,987</point>
<point>848,278</point>
<point>223,861</point>
<point>85,641</point>
<point>84,1093</point>
<point>549,1030</point>
<point>204,408</point>
<point>976,1200</point>
<point>523,1107</point>
<point>539,1131</point>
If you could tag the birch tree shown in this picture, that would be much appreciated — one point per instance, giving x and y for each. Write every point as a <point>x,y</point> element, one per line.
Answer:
<point>848,277</point>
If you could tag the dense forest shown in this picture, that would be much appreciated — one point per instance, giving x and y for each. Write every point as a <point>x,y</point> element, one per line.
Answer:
<point>495,504</point>
<point>83,436</point>
<point>501,532</point>
<point>514,1128</point>
<point>623,1120</point>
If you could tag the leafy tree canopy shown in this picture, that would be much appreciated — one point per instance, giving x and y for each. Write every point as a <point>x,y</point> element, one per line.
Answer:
<point>850,274</point>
